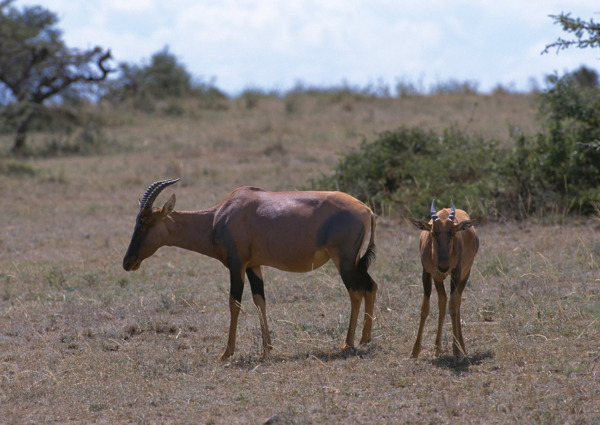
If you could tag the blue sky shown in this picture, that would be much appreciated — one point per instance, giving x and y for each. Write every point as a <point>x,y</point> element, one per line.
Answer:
<point>274,44</point>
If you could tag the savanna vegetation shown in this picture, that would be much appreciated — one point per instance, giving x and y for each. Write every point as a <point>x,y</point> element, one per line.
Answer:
<point>83,341</point>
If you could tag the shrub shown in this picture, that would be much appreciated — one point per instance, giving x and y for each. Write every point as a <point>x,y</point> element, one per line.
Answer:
<point>17,169</point>
<point>410,166</point>
<point>569,152</point>
<point>211,98</point>
<point>554,171</point>
<point>173,109</point>
<point>525,190</point>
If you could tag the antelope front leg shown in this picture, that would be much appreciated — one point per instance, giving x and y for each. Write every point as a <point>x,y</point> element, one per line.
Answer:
<point>235,304</point>
<point>234,310</point>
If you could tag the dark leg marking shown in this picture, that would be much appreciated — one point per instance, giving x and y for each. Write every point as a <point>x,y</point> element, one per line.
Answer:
<point>256,284</point>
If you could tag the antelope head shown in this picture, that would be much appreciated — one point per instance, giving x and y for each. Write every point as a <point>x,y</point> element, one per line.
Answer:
<point>150,230</point>
<point>442,230</point>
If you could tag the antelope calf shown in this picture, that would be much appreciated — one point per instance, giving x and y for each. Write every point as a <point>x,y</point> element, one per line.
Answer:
<point>250,228</point>
<point>448,244</point>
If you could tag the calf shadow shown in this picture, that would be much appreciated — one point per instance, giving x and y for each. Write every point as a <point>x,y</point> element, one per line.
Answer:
<point>463,366</point>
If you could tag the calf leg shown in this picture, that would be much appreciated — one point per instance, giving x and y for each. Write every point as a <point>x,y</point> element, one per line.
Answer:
<point>442,303</point>
<point>458,344</point>
<point>424,313</point>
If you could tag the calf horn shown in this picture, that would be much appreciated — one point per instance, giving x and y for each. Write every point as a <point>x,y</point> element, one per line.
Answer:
<point>452,211</point>
<point>433,213</point>
<point>152,192</point>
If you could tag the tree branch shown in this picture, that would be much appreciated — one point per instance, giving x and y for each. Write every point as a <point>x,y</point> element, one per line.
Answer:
<point>587,34</point>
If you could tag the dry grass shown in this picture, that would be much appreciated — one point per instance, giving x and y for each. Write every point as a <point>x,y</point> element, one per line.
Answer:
<point>83,341</point>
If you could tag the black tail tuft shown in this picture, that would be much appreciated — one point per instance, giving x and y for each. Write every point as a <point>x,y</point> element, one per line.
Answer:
<point>365,261</point>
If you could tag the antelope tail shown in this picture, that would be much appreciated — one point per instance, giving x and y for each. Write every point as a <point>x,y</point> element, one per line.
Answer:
<point>369,256</point>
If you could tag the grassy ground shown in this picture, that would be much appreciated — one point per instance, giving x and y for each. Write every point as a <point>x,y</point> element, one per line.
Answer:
<point>83,341</point>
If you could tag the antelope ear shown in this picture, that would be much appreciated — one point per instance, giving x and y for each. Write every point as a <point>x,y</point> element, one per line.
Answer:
<point>464,225</point>
<point>168,207</point>
<point>420,224</point>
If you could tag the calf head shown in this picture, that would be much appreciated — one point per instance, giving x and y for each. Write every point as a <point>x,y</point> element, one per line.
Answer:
<point>442,230</point>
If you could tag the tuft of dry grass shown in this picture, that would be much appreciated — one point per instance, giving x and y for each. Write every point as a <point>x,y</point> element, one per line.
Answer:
<point>83,341</point>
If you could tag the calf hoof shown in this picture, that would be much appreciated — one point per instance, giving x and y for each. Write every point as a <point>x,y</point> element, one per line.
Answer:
<point>458,358</point>
<point>415,351</point>
<point>266,353</point>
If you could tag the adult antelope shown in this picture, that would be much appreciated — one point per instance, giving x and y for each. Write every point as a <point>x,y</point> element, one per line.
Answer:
<point>250,228</point>
<point>447,245</point>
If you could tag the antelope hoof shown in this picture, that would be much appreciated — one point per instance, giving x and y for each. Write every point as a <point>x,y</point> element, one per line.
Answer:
<point>266,352</point>
<point>347,347</point>
<point>365,339</point>
<point>226,354</point>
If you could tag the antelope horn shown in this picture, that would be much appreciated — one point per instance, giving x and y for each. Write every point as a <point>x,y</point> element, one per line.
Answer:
<point>152,192</point>
<point>452,211</point>
<point>433,213</point>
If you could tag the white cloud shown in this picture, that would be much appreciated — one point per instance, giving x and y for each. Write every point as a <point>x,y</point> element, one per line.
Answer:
<point>274,43</point>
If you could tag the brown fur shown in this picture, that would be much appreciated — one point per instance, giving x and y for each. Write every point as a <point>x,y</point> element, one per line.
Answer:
<point>290,231</point>
<point>446,248</point>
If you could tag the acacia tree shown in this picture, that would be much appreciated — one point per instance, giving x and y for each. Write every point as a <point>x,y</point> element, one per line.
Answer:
<point>35,65</point>
<point>587,33</point>
<point>163,77</point>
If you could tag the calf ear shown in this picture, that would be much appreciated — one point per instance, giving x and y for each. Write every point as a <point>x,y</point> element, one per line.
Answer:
<point>464,225</point>
<point>168,207</point>
<point>420,224</point>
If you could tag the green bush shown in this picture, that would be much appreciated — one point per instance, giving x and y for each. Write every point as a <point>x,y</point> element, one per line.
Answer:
<point>163,78</point>
<point>555,171</point>
<point>18,169</point>
<point>410,166</point>
<point>568,153</point>
<point>173,109</point>
<point>210,98</point>
<point>89,140</point>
